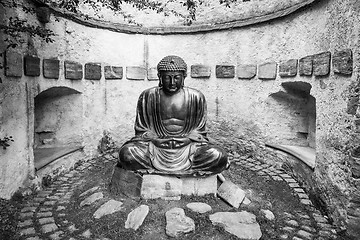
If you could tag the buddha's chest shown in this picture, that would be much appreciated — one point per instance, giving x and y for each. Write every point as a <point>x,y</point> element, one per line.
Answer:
<point>173,107</point>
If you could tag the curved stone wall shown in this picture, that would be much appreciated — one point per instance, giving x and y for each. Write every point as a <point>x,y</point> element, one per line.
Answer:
<point>323,36</point>
<point>210,16</point>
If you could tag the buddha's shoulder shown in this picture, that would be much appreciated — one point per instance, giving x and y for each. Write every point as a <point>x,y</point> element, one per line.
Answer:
<point>150,91</point>
<point>194,91</point>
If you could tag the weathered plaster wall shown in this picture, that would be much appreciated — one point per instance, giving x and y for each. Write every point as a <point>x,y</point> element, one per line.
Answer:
<point>15,162</point>
<point>240,105</point>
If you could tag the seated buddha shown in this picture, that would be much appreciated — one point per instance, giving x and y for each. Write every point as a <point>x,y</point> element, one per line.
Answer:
<point>170,136</point>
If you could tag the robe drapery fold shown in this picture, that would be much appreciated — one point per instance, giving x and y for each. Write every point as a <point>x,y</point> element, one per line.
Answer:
<point>177,158</point>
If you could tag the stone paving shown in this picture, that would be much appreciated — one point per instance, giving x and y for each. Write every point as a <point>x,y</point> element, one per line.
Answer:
<point>45,217</point>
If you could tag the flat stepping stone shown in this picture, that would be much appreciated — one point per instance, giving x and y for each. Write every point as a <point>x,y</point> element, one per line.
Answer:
<point>269,215</point>
<point>86,234</point>
<point>199,207</point>
<point>246,201</point>
<point>177,223</point>
<point>108,208</point>
<point>231,193</point>
<point>91,190</point>
<point>136,217</point>
<point>49,227</point>
<point>91,199</point>
<point>241,224</point>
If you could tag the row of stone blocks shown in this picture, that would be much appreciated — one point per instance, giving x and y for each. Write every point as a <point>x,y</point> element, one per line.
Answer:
<point>318,65</point>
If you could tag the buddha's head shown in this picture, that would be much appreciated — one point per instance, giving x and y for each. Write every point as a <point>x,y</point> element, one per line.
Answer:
<point>171,72</point>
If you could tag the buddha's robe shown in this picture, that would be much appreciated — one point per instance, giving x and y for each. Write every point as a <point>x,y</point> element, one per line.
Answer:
<point>183,152</point>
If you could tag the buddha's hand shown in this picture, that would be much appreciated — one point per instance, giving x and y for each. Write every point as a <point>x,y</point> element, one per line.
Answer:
<point>180,141</point>
<point>149,135</point>
<point>172,142</point>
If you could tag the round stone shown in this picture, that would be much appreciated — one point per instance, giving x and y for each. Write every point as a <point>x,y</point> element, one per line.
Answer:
<point>199,207</point>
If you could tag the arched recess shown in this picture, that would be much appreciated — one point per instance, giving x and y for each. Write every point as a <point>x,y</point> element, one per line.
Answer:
<point>57,124</point>
<point>292,121</point>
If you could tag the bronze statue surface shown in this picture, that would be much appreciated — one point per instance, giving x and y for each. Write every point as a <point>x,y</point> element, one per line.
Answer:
<point>170,136</point>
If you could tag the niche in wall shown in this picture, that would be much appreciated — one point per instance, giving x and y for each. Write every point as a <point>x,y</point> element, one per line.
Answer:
<point>57,124</point>
<point>291,115</point>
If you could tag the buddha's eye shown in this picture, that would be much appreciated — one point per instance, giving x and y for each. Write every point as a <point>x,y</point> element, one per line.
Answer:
<point>166,78</point>
<point>177,77</point>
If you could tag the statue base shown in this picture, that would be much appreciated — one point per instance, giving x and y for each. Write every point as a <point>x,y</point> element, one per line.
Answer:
<point>171,188</point>
<point>126,183</point>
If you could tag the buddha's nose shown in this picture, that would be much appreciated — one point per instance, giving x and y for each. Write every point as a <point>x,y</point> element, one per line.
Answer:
<point>172,81</point>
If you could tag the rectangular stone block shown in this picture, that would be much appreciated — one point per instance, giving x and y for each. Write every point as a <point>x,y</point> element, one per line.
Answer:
<point>199,186</point>
<point>267,71</point>
<point>188,186</point>
<point>225,71</point>
<point>13,64</point>
<point>207,185</point>
<point>135,73</point>
<point>246,71</point>
<point>343,62</point>
<point>231,193</point>
<point>288,68</point>
<point>73,70</point>
<point>152,74</point>
<point>32,66</point>
<point>92,71</point>
<point>124,182</point>
<point>113,72</point>
<point>200,71</point>
<point>306,66</point>
<point>51,68</point>
<point>164,187</point>
<point>321,64</point>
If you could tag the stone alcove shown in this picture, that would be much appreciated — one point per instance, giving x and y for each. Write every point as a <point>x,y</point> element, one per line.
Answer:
<point>57,124</point>
<point>292,121</point>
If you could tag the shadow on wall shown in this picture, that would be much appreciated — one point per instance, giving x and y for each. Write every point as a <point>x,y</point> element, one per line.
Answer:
<point>292,115</point>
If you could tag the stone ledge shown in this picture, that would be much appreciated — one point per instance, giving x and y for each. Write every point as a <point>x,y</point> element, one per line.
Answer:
<point>306,154</point>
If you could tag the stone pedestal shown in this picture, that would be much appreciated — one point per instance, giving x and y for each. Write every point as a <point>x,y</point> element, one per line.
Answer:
<point>125,183</point>
<point>171,188</point>
<point>151,186</point>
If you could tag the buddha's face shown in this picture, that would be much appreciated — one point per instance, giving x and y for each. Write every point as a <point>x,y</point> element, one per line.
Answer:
<point>172,81</point>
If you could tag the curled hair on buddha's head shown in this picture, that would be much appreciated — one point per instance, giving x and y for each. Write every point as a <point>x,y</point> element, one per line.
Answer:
<point>172,63</point>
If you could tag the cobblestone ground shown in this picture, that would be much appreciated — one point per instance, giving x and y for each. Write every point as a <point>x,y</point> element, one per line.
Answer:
<point>54,212</point>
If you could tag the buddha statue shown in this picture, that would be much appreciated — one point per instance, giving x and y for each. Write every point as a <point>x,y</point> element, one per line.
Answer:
<point>170,136</point>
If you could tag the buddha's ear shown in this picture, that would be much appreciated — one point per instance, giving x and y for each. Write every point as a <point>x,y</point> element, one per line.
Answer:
<point>160,82</point>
